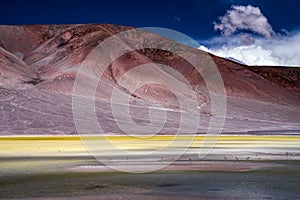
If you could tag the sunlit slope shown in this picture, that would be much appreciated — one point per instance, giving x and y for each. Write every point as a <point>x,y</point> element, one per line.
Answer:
<point>40,63</point>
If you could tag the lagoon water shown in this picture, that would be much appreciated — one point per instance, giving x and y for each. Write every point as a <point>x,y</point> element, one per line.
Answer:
<point>247,167</point>
<point>273,183</point>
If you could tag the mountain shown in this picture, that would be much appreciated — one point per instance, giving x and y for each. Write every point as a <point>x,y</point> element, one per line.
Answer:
<point>236,60</point>
<point>39,65</point>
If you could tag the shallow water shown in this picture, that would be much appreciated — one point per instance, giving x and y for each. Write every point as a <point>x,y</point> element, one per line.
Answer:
<point>281,182</point>
<point>248,167</point>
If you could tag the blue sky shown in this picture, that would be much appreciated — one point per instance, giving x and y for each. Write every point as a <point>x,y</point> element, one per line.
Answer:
<point>191,17</point>
<point>196,19</point>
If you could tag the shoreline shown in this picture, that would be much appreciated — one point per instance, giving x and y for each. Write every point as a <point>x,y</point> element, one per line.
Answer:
<point>200,166</point>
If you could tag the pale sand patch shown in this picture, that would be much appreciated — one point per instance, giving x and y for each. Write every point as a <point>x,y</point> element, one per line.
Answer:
<point>179,166</point>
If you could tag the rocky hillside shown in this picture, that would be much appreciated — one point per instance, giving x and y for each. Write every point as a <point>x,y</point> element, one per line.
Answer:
<point>40,63</point>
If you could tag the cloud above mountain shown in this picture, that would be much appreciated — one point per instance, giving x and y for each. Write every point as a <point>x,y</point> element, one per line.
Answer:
<point>246,35</point>
<point>240,18</point>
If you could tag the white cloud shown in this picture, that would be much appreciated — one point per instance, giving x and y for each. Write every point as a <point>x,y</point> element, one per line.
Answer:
<point>240,18</point>
<point>284,51</point>
<point>251,55</point>
<point>268,49</point>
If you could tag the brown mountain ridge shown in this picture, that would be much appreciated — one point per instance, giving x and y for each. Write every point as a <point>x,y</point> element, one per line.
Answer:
<point>39,65</point>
